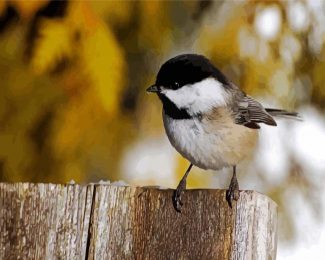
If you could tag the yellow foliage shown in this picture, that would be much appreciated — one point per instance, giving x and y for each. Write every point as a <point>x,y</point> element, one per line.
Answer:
<point>27,9</point>
<point>75,121</point>
<point>318,79</point>
<point>117,12</point>
<point>154,33</point>
<point>15,157</point>
<point>102,60</point>
<point>258,75</point>
<point>99,54</point>
<point>221,41</point>
<point>72,171</point>
<point>101,57</point>
<point>53,44</point>
<point>2,7</point>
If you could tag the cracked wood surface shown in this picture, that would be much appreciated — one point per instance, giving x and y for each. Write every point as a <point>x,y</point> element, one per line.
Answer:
<point>51,221</point>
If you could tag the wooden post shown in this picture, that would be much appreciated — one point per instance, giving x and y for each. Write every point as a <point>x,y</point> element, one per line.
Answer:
<point>49,221</point>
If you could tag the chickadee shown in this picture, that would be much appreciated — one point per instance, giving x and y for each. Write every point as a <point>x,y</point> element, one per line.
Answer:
<point>207,118</point>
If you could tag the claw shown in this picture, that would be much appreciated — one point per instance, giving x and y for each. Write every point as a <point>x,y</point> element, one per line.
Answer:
<point>229,198</point>
<point>233,191</point>
<point>177,201</point>
<point>232,194</point>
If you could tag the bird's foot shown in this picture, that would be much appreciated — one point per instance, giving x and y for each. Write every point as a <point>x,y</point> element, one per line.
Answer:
<point>233,191</point>
<point>177,202</point>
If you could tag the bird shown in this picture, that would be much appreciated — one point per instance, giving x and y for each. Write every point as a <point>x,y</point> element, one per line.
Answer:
<point>208,119</point>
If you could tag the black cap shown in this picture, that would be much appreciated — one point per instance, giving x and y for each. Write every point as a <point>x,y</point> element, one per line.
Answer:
<point>187,69</point>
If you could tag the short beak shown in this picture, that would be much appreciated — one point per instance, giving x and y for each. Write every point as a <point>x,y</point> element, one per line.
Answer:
<point>153,89</point>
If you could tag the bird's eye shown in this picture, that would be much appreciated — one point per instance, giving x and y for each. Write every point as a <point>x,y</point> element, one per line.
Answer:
<point>175,85</point>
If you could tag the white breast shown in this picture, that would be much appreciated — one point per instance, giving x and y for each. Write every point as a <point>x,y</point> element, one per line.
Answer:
<point>210,144</point>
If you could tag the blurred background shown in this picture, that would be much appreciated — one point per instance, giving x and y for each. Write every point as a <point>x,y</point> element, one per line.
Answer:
<point>73,104</point>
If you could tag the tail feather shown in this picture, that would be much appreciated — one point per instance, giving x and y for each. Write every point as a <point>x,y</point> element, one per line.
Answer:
<point>283,113</point>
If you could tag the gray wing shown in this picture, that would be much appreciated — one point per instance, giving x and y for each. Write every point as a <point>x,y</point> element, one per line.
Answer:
<point>249,113</point>
<point>283,113</point>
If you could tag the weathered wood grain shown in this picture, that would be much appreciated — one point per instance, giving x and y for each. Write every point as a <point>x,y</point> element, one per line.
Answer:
<point>44,221</point>
<point>48,221</point>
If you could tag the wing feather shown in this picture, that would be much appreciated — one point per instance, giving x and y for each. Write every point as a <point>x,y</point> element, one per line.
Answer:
<point>281,113</point>
<point>250,113</point>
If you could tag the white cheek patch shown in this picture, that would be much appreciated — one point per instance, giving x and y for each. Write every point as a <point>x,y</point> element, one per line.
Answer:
<point>199,97</point>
